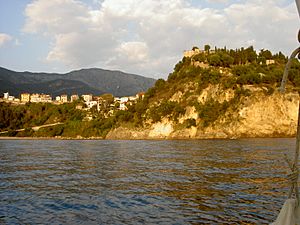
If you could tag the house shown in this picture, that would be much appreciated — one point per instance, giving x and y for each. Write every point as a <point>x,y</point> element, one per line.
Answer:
<point>64,98</point>
<point>35,98</point>
<point>133,98</point>
<point>117,99</point>
<point>124,99</point>
<point>270,61</point>
<point>87,98</point>
<point>11,98</point>
<point>195,51</point>
<point>25,97</point>
<point>5,95</point>
<point>190,53</point>
<point>74,98</point>
<point>45,98</point>
<point>57,98</point>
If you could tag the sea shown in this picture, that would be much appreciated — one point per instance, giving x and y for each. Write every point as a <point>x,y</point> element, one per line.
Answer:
<point>239,181</point>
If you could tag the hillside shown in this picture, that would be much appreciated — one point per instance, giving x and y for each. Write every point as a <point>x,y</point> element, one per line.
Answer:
<point>210,94</point>
<point>220,94</point>
<point>94,81</point>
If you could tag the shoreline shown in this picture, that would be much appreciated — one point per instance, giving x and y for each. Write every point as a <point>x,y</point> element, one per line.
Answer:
<point>49,138</point>
<point>134,139</point>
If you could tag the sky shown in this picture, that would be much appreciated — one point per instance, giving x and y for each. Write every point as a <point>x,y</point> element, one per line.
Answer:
<point>145,37</point>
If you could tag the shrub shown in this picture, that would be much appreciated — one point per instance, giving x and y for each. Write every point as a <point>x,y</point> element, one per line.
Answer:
<point>211,111</point>
<point>214,60</point>
<point>191,122</point>
<point>123,116</point>
<point>169,109</point>
<point>159,84</point>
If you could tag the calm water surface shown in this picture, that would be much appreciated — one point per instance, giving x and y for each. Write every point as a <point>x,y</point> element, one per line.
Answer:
<point>142,182</point>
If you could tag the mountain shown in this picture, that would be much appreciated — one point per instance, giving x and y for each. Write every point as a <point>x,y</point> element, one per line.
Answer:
<point>84,81</point>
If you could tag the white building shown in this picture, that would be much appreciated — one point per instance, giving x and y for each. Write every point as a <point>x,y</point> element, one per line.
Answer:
<point>25,97</point>
<point>35,98</point>
<point>11,98</point>
<point>87,98</point>
<point>5,95</point>
<point>124,99</point>
<point>117,99</point>
<point>133,98</point>
<point>45,98</point>
<point>57,98</point>
<point>64,98</point>
<point>90,104</point>
<point>123,106</point>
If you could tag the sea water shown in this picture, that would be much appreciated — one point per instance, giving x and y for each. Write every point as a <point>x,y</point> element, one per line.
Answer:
<point>143,182</point>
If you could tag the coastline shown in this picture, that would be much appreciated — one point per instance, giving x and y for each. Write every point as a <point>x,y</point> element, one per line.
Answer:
<point>49,138</point>
<point>136,139</point>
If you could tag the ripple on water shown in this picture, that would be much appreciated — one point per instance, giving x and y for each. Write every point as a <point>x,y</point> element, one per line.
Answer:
<point>142,182</point>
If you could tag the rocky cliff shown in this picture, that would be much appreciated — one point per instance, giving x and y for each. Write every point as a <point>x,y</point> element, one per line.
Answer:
<point>225,94</point>
<point>258,114</point>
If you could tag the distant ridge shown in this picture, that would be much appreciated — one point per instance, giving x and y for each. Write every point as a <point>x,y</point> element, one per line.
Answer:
<point>95,81</point>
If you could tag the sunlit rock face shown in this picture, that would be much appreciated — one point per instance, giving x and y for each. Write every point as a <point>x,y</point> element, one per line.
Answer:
<point>257,115</point>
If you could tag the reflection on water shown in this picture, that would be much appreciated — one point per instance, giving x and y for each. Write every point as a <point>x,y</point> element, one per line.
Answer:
<point>142,182</point>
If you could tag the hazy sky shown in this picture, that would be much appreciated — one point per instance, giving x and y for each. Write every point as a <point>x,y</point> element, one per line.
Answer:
<point>145,37</point>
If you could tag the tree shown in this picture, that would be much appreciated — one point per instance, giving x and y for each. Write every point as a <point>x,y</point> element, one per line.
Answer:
<point>108,98</point>
<point>159,84</point>
<point>279,57</point>
<point>214,60</point>
<point>265,54</point>
<point>251,54</point>
<point>207,48</point>
<point>226,60</point>
<point>199,57</point>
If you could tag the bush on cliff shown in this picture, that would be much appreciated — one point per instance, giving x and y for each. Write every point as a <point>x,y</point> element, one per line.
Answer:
<point>170,109</point>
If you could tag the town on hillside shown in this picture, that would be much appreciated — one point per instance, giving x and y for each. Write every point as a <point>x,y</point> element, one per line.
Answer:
<point>90,101</point>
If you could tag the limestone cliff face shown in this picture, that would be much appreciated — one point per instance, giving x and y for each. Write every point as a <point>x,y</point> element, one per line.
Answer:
<point>268,116</point>
<point>257,115</point>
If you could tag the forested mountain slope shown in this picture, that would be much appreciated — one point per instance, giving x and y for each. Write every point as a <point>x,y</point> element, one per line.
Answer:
<point>94,81</point>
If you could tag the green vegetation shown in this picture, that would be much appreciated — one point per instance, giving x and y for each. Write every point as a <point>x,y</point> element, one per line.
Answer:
<point>211,110</point>
<point>76,123</point>
<point>228,70</point>
<point>21,116</point>
<point>170,109</point>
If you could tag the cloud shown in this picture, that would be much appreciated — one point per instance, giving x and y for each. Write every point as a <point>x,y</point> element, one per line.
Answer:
<point>266,24</point>
<point>4,38</point>
<point>55,16</point>
<point>218,1</point>
<point>149,36</point>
